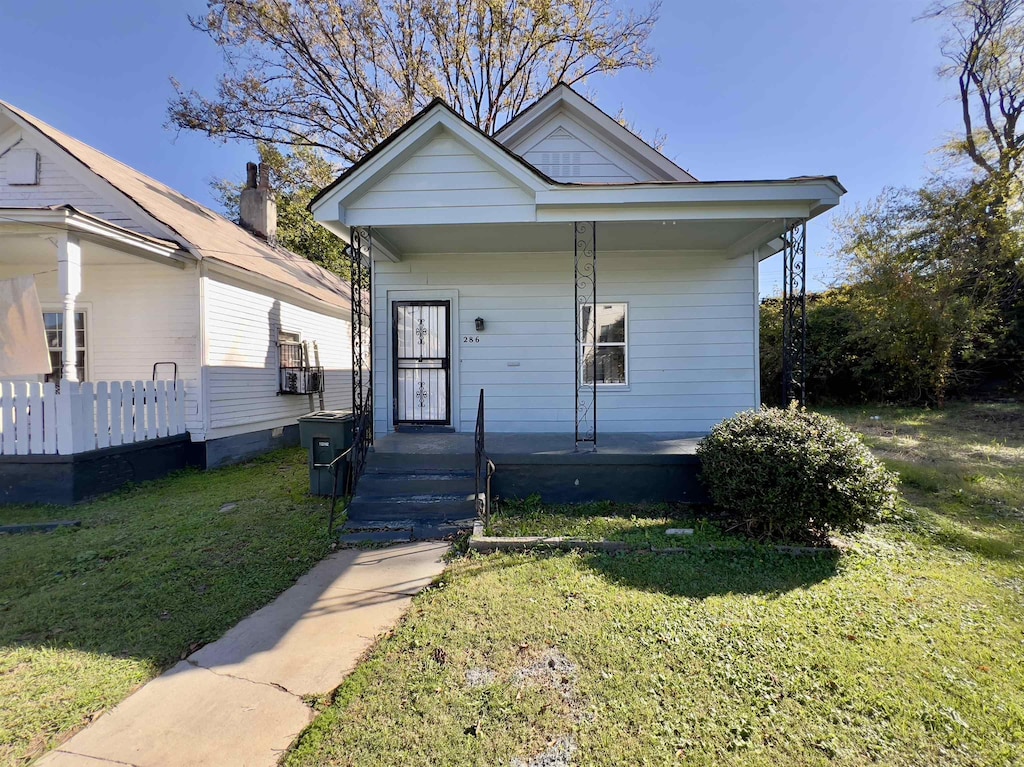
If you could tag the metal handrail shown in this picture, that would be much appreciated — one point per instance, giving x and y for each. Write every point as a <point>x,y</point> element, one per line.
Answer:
<point>361,440</point>
<point>333,468</point>
<point>484,467</point>
<point>357,450</point>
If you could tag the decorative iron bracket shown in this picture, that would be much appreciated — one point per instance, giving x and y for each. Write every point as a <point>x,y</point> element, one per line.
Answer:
<point>794,312</point>
<point>585,307</point>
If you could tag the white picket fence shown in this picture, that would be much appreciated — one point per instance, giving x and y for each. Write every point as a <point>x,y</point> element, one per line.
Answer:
<point>36,419</point>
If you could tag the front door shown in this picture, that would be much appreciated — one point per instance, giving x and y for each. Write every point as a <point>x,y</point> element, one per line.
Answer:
<point>422,362</point>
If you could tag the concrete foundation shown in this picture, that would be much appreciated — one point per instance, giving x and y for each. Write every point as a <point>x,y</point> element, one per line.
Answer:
<point>68,479</point>
<point>625,468</point>
<point>242,447</point>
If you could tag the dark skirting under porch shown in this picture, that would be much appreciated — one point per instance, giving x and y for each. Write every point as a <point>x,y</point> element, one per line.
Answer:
<point>625,468</point>
<point>67,479</point>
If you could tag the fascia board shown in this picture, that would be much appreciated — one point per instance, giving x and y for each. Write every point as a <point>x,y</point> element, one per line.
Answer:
<point>678,211</point>
<point>817,193</point>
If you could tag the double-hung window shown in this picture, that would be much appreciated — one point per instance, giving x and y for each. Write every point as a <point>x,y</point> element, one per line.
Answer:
<point>54,323</point>
<point>607,359</point>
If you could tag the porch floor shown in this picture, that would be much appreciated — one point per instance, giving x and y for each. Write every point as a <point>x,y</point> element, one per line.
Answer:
<point>611,448</point>
<point>624,468</point>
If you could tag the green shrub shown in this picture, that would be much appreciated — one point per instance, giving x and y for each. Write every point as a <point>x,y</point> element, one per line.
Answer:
<point>793,475</point>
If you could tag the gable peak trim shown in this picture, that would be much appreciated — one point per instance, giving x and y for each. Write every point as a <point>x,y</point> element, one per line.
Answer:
<point>564,96</point>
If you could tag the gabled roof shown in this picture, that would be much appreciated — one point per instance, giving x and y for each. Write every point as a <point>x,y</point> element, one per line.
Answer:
<point>561,93</point>
<point>460,123</point>
<point>204,233</point>
<point>362,197</point>
<point>563,97</point>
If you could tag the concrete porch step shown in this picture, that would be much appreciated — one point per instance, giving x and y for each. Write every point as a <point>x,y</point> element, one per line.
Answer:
<point>377,536</point>
<point>377,461</point>
<point>379,509</point>
<point>387,531</point>
<point>392,483</point>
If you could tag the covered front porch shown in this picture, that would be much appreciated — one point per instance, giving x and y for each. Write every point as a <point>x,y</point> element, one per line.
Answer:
<point>584,328</point>
<point>579,308</point>
<point>121,335</point>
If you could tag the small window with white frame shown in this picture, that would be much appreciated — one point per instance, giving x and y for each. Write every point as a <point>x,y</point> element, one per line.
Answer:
<point>607,324</point>
<point>54,324</point>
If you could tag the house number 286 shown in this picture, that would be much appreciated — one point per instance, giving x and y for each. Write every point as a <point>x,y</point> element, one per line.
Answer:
<point>471,339</point>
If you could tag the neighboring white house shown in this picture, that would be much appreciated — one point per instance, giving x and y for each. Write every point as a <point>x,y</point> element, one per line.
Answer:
<point>483,255</point>
<point>149,277</point>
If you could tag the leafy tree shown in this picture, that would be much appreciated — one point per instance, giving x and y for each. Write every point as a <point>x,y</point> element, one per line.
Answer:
<point>296,177</point>
<point>935,275</point>
<point>841,363</point>
<point>318,83</point>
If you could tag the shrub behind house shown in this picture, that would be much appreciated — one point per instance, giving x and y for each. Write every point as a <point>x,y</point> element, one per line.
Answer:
<point>793,474</point>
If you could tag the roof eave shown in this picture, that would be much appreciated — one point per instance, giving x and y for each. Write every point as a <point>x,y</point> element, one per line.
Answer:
<point>67,219</point>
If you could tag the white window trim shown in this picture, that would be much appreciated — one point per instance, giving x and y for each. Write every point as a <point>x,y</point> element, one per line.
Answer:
<point>85,307</point>
<point>624,386</point>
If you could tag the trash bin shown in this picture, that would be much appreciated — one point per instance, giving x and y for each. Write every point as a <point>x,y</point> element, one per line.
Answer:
<point>326,434</point>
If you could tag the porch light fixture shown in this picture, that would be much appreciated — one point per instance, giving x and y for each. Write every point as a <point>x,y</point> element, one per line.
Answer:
<point>479,323</point>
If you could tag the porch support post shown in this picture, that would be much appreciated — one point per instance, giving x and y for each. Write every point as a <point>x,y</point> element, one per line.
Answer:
<point>69,270</point>
<point>360,254</point>
<point>794,312</point>
<point>585,308</point>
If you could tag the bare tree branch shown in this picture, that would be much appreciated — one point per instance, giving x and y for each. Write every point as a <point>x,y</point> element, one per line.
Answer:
<point>342,75</point>
<point>985,49</point>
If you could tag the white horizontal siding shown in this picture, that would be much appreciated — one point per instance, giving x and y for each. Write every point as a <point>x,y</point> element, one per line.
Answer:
<point>59,187</point>
<point>692,335</point>
<point>242,362</point>
<point>565,157</point>
<point>137,314</point>
<point>446,182</point>
<point>566,150</point>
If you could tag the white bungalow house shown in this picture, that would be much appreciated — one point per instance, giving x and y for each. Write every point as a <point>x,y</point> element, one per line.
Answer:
<point>162,318</point>
<point>586,282</point>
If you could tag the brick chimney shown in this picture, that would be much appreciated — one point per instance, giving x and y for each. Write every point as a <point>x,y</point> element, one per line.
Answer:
<point>257,210</point>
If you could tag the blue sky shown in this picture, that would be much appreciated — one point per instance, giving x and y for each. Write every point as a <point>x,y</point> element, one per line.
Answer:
<point>744,89</point>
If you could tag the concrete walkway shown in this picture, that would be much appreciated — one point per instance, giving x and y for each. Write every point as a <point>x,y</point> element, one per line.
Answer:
<point>239,700</point>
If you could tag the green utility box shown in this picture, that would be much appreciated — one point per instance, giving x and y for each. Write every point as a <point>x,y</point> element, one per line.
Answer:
<point>326,435</point>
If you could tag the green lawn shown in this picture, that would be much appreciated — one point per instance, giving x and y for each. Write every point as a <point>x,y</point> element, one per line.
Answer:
<point>905,650</point>
<point>637,524</point>
<point>154,572</point>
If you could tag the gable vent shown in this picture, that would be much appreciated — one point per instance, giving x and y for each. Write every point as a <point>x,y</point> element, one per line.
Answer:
<point>559,165</point>
<point>22,167</point>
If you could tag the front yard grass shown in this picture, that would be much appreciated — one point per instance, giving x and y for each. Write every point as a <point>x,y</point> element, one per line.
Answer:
<point>154,572</point>
<point>637,524</point>
<point>905,650</point>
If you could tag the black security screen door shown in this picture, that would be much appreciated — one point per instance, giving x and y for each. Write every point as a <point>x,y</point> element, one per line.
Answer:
<point>422,330</point>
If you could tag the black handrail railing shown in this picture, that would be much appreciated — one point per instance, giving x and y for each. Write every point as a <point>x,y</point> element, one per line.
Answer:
<point>356,455</point>
<point>361,440</point>
<point>484,467</point>
<point>333,467</point>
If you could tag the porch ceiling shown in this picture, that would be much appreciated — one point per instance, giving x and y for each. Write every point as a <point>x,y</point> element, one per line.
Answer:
<point>618,236</point>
